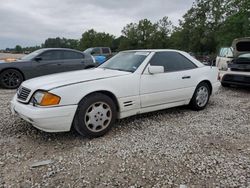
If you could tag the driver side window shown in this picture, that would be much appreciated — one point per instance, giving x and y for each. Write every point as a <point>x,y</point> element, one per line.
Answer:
<point>96,51</point>
<point>51,55</point>
<point>172,61</point>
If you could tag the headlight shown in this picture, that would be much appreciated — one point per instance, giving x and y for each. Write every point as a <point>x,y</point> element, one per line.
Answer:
<point>44,98</point>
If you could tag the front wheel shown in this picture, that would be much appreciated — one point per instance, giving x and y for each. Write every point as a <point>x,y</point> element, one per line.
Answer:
<point>11,79</point>
<point>95,115</point>
<point>201,96</point>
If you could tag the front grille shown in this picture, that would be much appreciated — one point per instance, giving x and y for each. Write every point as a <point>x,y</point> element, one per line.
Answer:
<point>23,93</point>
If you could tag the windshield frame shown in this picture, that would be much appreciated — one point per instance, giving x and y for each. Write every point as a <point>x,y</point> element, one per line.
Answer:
<point>36,53</point>
<point>88,50</point>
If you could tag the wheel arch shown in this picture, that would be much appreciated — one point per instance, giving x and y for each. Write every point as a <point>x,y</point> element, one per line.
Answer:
<point>107,93</point>
<point>13,68</point>
<point>209,85</point>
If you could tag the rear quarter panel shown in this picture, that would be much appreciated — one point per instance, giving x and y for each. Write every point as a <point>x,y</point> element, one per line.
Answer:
<point>210,74</point>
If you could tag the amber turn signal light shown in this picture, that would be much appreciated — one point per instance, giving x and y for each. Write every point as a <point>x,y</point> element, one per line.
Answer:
<point>50,99</point>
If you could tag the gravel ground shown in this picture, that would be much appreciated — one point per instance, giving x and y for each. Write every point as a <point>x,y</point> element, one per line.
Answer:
<point>170,148</point>
<point>8,55</point>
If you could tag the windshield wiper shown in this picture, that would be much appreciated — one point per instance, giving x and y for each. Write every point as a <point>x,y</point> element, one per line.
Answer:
<point>117,69</point>
<point>123,70</point>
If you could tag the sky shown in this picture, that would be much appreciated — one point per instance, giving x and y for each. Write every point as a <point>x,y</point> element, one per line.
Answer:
<point>31,22</point>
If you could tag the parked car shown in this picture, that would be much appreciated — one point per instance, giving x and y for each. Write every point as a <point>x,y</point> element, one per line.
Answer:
<point>234,63</point>
<point>42,62</point>
<point>101,54</point>
<point>130,83</point>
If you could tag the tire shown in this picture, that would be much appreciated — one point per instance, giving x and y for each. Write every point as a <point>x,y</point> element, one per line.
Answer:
<point>95,116</point>
<point>200,97</point>
<point>11,79</point>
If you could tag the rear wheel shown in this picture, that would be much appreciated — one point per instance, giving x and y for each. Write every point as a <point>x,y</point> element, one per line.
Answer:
<point>11,79</point>
<point>201,97</point>
<point>95,116</point>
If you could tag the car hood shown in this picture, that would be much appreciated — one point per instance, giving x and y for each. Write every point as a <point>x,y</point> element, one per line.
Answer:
<point>241,46</point>
<point>64,79</point>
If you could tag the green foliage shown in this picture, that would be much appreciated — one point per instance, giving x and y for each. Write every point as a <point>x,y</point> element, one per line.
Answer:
<point>238,25</point>
<point>146,34</point>
<point>18,49</point>
<point>91,38</point>
<point>61,43</point>
<point>116,43</point>
<point>205,27</point>
<point>209,25</point>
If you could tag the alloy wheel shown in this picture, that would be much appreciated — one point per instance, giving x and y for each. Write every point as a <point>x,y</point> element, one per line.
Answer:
<point>98,116</point>
<point>202,96</point>
<point>11,79</point>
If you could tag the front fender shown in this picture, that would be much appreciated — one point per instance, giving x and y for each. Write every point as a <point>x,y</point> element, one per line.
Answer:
<point>120,87</point>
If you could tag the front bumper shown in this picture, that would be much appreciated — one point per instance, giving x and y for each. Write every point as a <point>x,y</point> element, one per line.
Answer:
<point>49,119</point>
<point>236,78</point>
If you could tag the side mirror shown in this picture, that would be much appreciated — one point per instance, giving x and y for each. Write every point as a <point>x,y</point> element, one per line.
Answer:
<point>38,59</point>
<point>155,69</point>
<point>92,53</point>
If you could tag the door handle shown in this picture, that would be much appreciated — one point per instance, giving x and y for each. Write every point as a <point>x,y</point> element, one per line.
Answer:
<point>186,77</point>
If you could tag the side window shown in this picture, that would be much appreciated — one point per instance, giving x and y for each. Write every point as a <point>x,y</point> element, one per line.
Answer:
<point>96,51</point>
<point>230,52</point>
<point>51,55</point>
<point>72,55</point>
<point>105,50</point>
<point>172,61</point>
<point>223,52</point>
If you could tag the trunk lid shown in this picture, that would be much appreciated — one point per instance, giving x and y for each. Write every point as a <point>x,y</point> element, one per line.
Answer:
<point>241,46</point>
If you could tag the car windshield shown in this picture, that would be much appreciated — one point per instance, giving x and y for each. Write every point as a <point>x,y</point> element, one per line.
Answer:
<point>88,51</point>
<point>32,55</point>
<point>125,61</point>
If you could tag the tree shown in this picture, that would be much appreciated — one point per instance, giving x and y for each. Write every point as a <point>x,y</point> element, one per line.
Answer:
<point>205,27</point>
<point>130,38</point>
<point>146,34</point>
<point>61,43</point>
<point>91,38</point>
<point>161,38</point>
<point>209,24</point>
<point>235,26</point>
<point>18,49</point>
<point>116,43</point>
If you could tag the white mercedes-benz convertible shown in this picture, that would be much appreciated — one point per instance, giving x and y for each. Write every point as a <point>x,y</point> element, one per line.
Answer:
<point>130,83</point>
